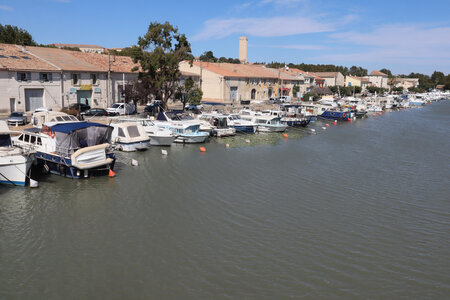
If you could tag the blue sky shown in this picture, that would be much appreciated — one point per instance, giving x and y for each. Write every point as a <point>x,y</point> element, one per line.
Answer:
<point>402,35</point>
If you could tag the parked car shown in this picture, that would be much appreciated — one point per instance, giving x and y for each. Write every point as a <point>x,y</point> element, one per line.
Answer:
<point>43,109</point>
<point>17,118</point>
<point>95,112</point>
<point>153,108</point>
<point>192,108</point>
<point>121,109</point>
<point>284,99</point>
<point>80,107</point>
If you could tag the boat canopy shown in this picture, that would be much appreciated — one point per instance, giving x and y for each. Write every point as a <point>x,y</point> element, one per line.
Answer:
<point>69,127</point>
<point>70,136</point>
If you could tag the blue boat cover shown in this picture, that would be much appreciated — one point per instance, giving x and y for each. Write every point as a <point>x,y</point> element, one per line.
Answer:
<point>69,127</point>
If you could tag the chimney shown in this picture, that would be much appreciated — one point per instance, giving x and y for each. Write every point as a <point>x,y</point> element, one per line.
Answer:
<point>243,45</point>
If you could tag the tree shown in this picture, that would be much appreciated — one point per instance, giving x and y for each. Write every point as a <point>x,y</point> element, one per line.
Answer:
<point>139,91</point>
<point>387,72</point>
<point>208,56</point>
<point>295,90</point>
<point>14,35</point>
<point>160,51</point>
<point>437,77</point>
<point>189,92</point>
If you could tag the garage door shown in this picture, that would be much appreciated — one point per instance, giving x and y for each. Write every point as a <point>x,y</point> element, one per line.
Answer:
<point>34,98</point>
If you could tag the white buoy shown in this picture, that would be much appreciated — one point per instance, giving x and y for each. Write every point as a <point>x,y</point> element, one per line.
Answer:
<point>164,152</point>
<point>247,141</point>
<point>324,128</point>
<point>34,183</point>
<point>227,145</point>
<point>313,130</point>
<point>134,163</point>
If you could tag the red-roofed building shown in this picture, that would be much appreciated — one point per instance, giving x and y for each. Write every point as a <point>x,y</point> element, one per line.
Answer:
<point>379,79</point>
<point>32,77</point>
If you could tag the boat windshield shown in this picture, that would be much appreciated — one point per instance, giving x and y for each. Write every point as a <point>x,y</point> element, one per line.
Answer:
<point>133,131</point>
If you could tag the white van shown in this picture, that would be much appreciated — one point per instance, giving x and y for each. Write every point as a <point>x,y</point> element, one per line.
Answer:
<point>284,99</point>
<point>121,109</point>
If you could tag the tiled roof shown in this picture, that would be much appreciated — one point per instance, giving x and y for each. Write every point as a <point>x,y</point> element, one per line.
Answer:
<point>317,78</point>
<point>238,70</point>
<point>377,73</point>
<point>120,64</point>
<point>326,74</point>
<point>187,74</point>
<point>13,58</point>
<point>79,46</point>
<point>63,59</point>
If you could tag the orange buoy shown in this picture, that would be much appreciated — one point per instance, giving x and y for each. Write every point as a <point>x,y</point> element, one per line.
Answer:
<point>285,135</point>
<point>379,114</point>
<point>349,119</point>
<point>111,173</point>
<point>374,115</point>
<point>202,149</point>
<point>328,125</point>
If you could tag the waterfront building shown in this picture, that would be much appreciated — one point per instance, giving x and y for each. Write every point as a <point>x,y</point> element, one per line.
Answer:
<point>331,78</point>
<point>83,47</point>
<point>379,79</point>
<point>32,77</point>
<point>362,82</point>
<point>405,83</point>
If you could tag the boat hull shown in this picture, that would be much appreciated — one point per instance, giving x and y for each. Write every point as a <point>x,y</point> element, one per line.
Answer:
<point>334,115</point>
<point>191,139</point>
<point>294,122</point>
<point>161,140</point>
<point>135,146</point>
<point>49,163</point>
<point>272,128</point>
<point>245,128</point>
<point>13,169</point>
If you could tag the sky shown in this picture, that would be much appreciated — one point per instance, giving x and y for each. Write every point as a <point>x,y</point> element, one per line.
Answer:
<point>401,35</point>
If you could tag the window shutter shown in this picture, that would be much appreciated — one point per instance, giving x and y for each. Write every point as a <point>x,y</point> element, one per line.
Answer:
<point>28,76</point>
<point>50,76</point>
<point>18,77</point>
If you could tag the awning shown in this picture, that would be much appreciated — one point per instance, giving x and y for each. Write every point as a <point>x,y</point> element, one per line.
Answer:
<point>69,127</point>
<point>285,89</point>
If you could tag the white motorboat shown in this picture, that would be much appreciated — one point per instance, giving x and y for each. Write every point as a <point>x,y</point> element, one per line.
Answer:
<point>219,123</point>
<point>266,123</point>
<point>70,149</point>
<point>184,127</point>
<point>14,162</point>
<point>158,136</point>
<point>129,136</point>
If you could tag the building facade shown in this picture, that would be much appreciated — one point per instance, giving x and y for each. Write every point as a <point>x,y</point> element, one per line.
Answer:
<point>33,77</point>
<point>379,79</point>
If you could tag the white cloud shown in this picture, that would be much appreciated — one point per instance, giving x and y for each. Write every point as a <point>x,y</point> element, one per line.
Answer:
<point>262,27</point>
<point>297,47</point>
<point>5,7</point>
<point>403,44</point>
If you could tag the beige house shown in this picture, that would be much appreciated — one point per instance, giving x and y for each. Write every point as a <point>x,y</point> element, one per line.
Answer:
<point>232,83</point>
<point>331,78</point>
<point>32,77</point>
<point>405,83</point>
<point>83,47</point>
<point>379,79</point>
<point>362,82</point>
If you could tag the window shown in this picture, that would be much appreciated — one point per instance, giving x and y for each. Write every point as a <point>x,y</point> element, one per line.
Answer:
<point>94,79</point>
<point>133,131</point>
<point>39,141</point>
<point>23,76</point>
<point>76,79</point>
<point>26,57</point>
<point>32,139</point>
<point>121,132</point>
<point>21,137</point>
<point>46,77</point>
<point>2,56</point>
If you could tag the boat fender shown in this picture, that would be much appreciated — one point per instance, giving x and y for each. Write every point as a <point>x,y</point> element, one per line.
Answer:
<point>344,115</point>
<point>46,169</point>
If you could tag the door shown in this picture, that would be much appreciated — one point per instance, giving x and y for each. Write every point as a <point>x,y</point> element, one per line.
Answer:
<point>84,97</point>
<point>233,93</point>
<point>253,94</point>
<point>34,98</point>
<point>12,104</point>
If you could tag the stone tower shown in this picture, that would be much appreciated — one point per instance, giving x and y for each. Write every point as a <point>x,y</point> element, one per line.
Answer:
<point>243,45</point>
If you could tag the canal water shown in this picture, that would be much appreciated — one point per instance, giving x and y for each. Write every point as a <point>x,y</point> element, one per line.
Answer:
<point>357,211</point>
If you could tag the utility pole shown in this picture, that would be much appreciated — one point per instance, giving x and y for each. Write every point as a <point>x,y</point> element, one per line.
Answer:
<point>108,81</point>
